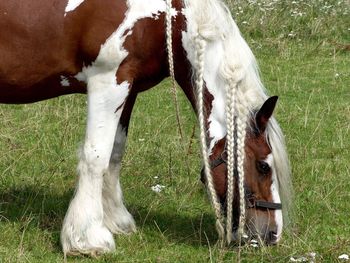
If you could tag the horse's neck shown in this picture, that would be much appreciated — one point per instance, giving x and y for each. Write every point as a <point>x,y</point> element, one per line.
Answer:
<point>228,62</point>
<point>214,92</point>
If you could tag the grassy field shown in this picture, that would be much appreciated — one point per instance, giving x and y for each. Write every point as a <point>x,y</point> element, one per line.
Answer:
<point>303,52</point>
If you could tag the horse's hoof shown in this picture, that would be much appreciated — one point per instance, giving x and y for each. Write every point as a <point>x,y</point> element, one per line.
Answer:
<point>94,241</point>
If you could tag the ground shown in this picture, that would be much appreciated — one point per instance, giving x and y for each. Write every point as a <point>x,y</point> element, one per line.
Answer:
<point>303,51</point>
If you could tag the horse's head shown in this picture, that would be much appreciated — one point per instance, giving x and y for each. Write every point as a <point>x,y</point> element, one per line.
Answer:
<point>263,208</point>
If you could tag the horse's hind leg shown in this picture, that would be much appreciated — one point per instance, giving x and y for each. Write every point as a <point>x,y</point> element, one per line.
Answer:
<point>83,228</point>
<point>116,217</point>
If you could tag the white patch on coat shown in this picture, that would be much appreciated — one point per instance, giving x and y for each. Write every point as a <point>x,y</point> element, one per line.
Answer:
<point>64,81</point>
<point>112,53</point>
<point>72,5</point>
<point>275,196</point>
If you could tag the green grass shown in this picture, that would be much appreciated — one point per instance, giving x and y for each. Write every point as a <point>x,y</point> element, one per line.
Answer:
<point>310,73</point>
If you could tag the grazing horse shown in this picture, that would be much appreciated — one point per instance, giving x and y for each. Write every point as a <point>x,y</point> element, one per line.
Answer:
<point>116,49</point>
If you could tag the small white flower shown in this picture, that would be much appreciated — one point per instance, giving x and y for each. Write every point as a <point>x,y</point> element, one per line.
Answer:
<point>156,177</point>
<point>344,257</point>
<point>157,188</point>
<point>291,34</point>
<point>141,140</point>
<point>312,255</point>
<point>336,75</point>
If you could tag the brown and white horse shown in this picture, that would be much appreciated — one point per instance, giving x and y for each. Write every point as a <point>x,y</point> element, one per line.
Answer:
<point>116,49</point>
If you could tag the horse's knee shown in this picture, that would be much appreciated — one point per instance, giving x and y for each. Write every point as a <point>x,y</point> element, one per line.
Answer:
<point>93,161</point>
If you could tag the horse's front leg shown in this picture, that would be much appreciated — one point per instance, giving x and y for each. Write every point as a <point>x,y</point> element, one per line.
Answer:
<point>116,217</point>
<point>83,228</point>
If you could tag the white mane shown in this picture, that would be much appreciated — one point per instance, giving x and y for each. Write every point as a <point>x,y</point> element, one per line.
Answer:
<point>213,21</point>
<point>276,140</point>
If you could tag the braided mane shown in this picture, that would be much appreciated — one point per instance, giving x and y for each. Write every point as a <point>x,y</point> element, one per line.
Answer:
<point>211,23</point>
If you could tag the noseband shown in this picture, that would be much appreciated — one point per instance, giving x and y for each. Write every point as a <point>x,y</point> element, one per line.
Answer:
<point>251,201</point>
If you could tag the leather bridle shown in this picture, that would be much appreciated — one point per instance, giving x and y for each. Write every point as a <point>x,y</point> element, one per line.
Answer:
<point>251,201</point>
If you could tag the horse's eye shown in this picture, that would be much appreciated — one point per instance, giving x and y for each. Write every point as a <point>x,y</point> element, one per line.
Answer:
<point>264,167</point>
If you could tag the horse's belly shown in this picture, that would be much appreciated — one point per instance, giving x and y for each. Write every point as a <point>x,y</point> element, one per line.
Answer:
<point>46,89</point>
<point>32,50</point>
<point>43,75</point>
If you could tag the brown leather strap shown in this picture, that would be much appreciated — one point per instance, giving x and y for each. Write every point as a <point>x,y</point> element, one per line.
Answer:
<point>217,162</point>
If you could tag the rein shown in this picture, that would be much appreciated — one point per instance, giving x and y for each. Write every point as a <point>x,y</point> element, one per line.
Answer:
<point>169,43</point>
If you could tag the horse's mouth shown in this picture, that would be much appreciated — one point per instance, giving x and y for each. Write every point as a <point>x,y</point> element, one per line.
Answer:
<point>254,239</point>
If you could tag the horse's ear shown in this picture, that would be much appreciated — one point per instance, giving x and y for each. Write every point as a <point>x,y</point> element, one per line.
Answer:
<point>265,112</point>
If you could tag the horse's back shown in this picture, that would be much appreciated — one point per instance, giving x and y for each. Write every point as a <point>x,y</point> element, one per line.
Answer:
<point>42,47</point>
